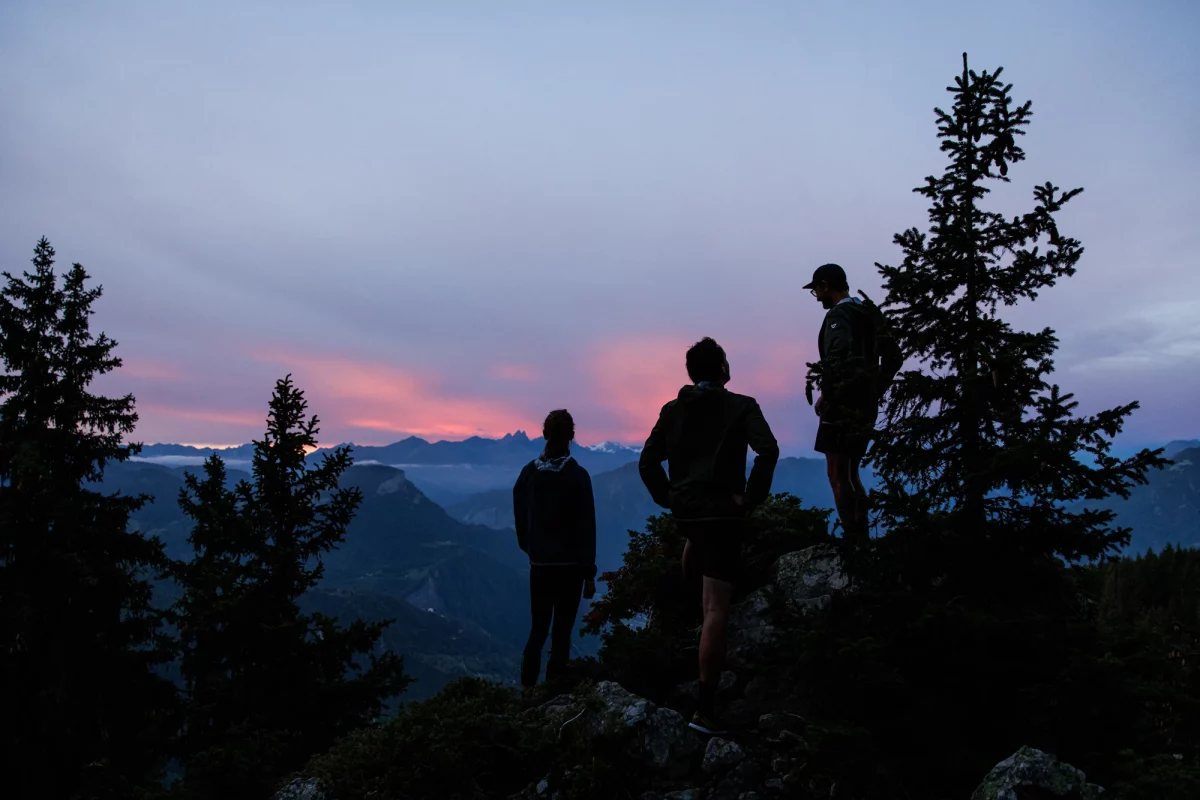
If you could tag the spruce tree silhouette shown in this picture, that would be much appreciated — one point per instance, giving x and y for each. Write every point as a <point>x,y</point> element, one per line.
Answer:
<point>977,443</point>
<point>967,633</point>
<point>266,685</point>
<point>85,714</point>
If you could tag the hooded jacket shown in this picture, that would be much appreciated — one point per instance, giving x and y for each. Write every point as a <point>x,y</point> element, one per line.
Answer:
<point>555,513</point>
<point>703,435</point>
<point>859,358</point>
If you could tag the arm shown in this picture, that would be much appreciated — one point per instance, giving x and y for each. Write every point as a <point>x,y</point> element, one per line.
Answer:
<point>587,525</point>
<point>650,463</point>
<point>837,341</point>
<point>520,509</point>
<point>766,454</point>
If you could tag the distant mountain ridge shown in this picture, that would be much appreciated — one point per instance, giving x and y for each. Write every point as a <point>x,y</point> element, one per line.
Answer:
<point>510,450</point>
<point>446,472</point>
<point>1176,447</point>
<point>1164,511</point>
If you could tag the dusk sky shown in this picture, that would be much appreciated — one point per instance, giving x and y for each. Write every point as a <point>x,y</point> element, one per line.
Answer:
<point>447,218</point>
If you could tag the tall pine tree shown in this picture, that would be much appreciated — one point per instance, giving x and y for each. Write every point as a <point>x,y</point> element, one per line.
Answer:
<point>967,635</point>
<point>84,712</point>
<point>268,686</point>
<point>978,445</point>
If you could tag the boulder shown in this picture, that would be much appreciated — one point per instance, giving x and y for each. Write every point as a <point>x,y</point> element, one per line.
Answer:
<point>807,579</point>
<point>540,790</point>
<point>655,737</point>
<point>722,754</point>
<point>751,629</point>
<point>301,789</point>
<point>1029,771</point>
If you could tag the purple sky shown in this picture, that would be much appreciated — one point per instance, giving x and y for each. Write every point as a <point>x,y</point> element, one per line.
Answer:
<point>447,218</point>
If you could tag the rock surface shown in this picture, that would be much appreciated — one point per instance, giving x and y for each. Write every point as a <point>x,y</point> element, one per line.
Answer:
<point>721,754</point>
<point>809,578</point>
<point>805,580</point>
<point>301,789</point>
<point>655,737</point>
<point>1032,773</point>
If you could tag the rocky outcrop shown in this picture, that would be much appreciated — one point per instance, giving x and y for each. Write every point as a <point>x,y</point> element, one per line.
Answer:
<point>808,579</point>
<point>654,737</point>
<point>1032,773</point>
<point>803,582</point>
<point>721,755</point>
<point>770,755</point>
<point>302,789</point>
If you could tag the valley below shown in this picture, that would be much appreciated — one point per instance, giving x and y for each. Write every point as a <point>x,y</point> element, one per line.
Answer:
<point>433,547</point>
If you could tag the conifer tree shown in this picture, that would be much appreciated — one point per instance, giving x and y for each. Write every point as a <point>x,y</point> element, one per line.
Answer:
<point>268,686</point>
<point>84,712</point>
<point>978,445</point>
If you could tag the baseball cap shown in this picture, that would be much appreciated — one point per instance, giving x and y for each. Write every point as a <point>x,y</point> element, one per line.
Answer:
<point>829,273</point>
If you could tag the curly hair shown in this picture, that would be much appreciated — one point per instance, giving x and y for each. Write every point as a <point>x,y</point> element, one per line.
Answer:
<point>706,361</point>
<point>559,427</point>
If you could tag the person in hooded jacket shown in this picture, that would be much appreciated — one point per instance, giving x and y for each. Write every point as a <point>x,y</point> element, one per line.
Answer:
<point>703,435</point>
<point>555,514</point>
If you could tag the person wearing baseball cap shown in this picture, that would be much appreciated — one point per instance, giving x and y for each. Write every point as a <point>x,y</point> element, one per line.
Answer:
<point>851,377</point>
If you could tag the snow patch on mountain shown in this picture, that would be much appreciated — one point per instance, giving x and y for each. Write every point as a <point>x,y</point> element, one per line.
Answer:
<point>612,447</point>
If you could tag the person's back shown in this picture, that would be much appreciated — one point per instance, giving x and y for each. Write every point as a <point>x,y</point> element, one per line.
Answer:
<point>703,435</point>
<point>558,524</point>
<point>555,516</point>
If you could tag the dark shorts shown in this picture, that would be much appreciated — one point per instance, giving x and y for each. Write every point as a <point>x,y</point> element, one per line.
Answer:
<point>717,544</point>
<point>839,438</point>
<point>846,430</point>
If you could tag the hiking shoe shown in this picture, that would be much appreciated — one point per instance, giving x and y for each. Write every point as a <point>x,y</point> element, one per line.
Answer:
<point>708,724</point>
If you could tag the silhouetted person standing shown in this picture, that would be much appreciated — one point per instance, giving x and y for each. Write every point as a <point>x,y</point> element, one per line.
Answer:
<point>555,516</point>
<point>852,342</point>
<point>703,436</point>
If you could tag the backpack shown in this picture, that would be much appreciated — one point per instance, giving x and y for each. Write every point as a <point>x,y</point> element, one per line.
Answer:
<point>879,347</point>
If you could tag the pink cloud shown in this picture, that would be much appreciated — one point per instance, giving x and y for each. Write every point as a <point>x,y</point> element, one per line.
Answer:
<point>774,370</point>
<point>240,418</point>
<point>385,398</point>
<point>632,378</point>
<point>615,391</point>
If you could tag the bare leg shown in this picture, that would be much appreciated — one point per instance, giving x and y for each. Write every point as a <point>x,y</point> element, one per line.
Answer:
<point>717,595</point>
<point>861,499</point>
<point>837,469</point>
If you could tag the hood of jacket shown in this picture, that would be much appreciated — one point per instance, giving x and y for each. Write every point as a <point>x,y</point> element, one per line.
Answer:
<point>699,392</point>
<point>555,464</point>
